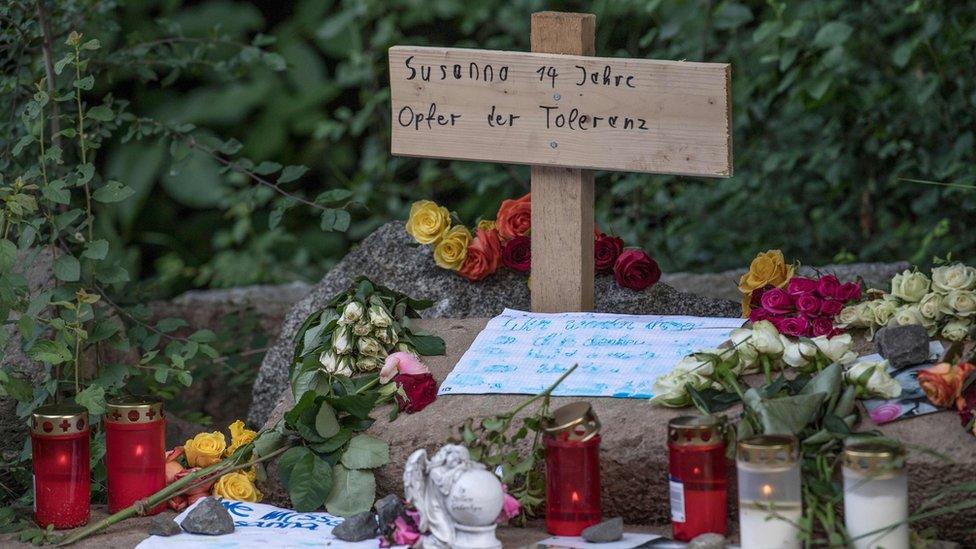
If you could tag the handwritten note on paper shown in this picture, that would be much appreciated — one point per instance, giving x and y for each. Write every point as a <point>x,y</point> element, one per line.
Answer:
<point>618,355</point>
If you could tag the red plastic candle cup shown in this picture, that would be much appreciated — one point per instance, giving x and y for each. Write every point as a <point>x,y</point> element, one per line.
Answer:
<point>62,479</point>
<point>135,455</point>
<point>572,442</point>
<point>697,472</point>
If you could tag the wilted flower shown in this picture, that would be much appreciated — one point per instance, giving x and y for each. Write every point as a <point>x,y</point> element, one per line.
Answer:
<point>401,363</point>
<point>872,379</point>
<point>368,364</point>
<point>379,317</point>
<point>342,342</point>
<point>370,346</point>
<point>329,360</point>
<point>352,313</point>
<point>404,347</point>
<point>387,336</point>
<point>362,328</point>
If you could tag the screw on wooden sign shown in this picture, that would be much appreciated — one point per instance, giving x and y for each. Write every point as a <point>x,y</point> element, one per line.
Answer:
<point>559,107</point>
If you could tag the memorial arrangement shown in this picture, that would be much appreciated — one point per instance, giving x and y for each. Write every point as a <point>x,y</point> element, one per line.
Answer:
<point>504,241</point>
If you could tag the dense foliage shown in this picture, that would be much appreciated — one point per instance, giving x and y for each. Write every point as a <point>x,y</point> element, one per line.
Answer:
<point>835,105</point>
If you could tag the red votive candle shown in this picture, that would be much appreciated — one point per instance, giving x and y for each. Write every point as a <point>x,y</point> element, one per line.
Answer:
<point>572,443</point>
<point>697,474</point>
<point>62,480</point>
<point>135,456</point>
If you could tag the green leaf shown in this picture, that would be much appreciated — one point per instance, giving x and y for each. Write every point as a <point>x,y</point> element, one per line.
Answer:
<point>85,83</point>
<point>67,268</point>
<point>287,462</point>
<point>334,443</point>
<point>427,345</point>
<point>326,424</point>
<point>102,113</point>
<point>785,415</point>
<point>342,221</point>
<point>63,62</point>
<point>291,173</point>
<point>366,452</point>
<point>358,406</point>
<point>168,325</point>
<point>113,191</point>
<point>334,195</point>
<point>310,483</point>
<point>353,491</point>
<point>92,398</point>
<point>268,442</point>
<point>96,249</point>
<point>832,34</point>
<point>8,255</point>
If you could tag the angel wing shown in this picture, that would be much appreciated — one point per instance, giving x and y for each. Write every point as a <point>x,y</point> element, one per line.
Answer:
<point>415,482</point>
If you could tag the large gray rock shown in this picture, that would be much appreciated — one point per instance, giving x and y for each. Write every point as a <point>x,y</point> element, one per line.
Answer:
<point>209,518</point>
<point>903,345</point>
<point>389,257</point>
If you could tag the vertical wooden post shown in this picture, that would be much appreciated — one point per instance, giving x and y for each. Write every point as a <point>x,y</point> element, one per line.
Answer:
<point>562,198</point>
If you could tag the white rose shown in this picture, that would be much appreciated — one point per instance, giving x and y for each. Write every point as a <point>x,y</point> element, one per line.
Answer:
<point>853,316</point>
<point>368,364</point>
<point>329,361</point>
<point>874,379</point>
<point>956,330</point>
<point>386,335</point>
<point>362,328</point>
<point>352,313</point>
<point>960,303</point>
<point>931,306</point>
<point>369,346</point>
<point>837,348</point>
<point>883,310</point>
<point>342,340</point>
<point>743,345</point>
<point>953,277</point>
<point>910,286</point>
<point>798,353</point>
<point>379,317</point>
<point>671,388</point>
<point>698,363</point>
<point>765,338</point>
<point>908,314</point>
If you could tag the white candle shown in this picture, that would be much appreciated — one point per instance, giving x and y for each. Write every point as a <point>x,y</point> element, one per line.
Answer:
<point>872,505</point>
<point>765,527</point>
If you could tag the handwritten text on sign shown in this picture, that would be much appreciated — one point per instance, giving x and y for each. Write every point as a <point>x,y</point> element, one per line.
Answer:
<point>618,355</point>
<point>636,115</point>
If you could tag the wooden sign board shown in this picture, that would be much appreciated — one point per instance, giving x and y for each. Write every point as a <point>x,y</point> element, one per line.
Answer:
<point>636,115</point>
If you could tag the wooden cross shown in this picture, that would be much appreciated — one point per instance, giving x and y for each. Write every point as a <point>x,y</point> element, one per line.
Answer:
<point>565,113</point>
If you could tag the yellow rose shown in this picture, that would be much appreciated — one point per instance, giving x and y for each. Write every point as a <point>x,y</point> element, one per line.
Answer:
<point>452,250</point>
<point>486,224</point>
<point>239,436</point>
<point>205,449</point>
<point>428,221</point>
<point>767,269</point>
<point>237,486</point>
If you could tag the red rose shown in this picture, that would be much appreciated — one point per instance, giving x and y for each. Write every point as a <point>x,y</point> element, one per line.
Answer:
<point>421,390</point>
<point>484,253</point>
<point>821,326</point>
<point>606,250</point>
<point>795,326</point>
<point>514,217</point>
<point>808,304</point>
<point>799,285</point>
<point>829,286</point>
<point>850,291</point>
<point>517,254</point>
<point>831,308</point>
<point>636,270</point>
<point>777,301</point>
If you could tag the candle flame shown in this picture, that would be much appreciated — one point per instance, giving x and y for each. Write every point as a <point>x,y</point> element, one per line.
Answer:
<point>139,450</point>
<point>575,497</point>
<point>63,459</point>
<point>767,490</point>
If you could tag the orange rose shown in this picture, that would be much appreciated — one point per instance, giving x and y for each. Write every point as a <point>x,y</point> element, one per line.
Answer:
<point>184,500</point>
<point>173,465</point>
<point>514,217</point>
<point>484,254</point>
<point>942,383</point>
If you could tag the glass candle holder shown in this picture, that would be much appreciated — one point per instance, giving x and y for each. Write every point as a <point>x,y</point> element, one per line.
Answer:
<point>135,454</point>
<point>62,475</point>
<point>697,476</point>
<point>572,442</point>
<point>770,495</point>
<point>875,496</point>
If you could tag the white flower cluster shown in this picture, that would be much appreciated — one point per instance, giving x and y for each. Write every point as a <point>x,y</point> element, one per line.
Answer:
<point>945,303</point>
<point>756,348</point>
<point>872,379</point>
<point>361,340</point>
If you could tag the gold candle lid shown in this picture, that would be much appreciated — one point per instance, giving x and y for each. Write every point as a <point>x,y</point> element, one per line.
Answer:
<point>873,458</point>
<point>576,419</point>
<point>133,409</point>
<point>769,450</point>
<point>696,430</point>
<point>55,420</point>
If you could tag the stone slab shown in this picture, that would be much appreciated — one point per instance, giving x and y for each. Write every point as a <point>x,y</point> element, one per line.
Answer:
<point>634,456</point>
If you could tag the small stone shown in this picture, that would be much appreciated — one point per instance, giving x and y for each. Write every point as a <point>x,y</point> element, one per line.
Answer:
<point>708,541</point>
<point>210,518</point>
<point>359,527</point>
<point>387,511</point>
<point>605,532</point>
<point>903,345</point>
<point>163,525</point>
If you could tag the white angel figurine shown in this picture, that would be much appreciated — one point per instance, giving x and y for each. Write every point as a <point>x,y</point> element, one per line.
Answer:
<point>457,498</point>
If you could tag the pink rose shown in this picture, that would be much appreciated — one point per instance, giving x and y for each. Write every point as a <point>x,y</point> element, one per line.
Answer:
<point>885,413</point>
<point>850,291</point>
<point>794,326</point>
<point>808,304</point>
<point>821,327</point>
<point>829,286</point>
<point>758,313</point>
<point>777,301</point>
<point>800,285</point>
<point>401,363</point>
<point>404,533</point>
<point>831,308</point>
<point>510,507</point>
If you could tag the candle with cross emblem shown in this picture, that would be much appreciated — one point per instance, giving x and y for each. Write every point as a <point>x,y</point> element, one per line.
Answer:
<point>135,461</point>
<point>572,442</point>
<point>60,450</point>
